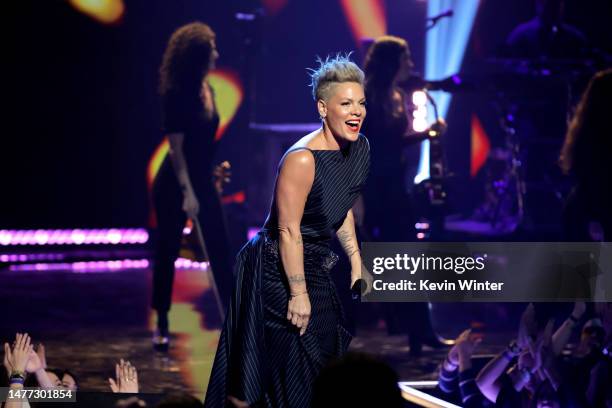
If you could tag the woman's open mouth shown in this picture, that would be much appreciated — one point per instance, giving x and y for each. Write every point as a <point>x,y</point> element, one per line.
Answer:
<point>353,125</point>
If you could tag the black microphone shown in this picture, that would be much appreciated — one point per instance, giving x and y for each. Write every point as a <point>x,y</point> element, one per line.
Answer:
<point>447,13</point>
<point>358,286</point>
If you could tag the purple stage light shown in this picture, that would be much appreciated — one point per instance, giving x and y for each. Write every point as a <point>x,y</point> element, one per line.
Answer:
<point>112,236</point>
<point>41,237</point>
<point>104,266</point>
<point>251,232</point>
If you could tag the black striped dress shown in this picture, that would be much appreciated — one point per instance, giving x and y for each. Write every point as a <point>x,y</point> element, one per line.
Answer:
<point>261,358</point>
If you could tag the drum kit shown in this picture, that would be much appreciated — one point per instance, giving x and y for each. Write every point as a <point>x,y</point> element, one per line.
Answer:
<point>520,90</point>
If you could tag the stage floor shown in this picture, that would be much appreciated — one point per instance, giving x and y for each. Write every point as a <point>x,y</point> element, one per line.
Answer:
<point>90,316</point>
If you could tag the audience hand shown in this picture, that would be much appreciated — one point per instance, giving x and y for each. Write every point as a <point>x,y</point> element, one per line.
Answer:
<point>7,365</point>
<point>42,355</point>
<point>527,328</point>
<point>34,363</point>
<point>579,309</point>
<point>465,345</point>
<point>126,380</point>
<point>17,358</point>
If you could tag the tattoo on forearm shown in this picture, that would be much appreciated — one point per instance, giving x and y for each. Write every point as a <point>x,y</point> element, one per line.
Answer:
<point>345,239</point>
<point>298,241</point>
<point>296,279</point>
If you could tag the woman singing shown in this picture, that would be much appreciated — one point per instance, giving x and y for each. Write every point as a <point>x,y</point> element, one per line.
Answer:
<point>285,320</point>
<point>184,183</point>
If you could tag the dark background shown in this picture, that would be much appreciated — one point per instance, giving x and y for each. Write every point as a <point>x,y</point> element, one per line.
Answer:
<point>82,116</point>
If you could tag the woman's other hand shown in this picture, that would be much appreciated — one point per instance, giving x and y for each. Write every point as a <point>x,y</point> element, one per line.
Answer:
<point>18,357</point>
<point>366,278</point>
<point>191,205</point>
<point>298,311</point>
<point>126,378</point>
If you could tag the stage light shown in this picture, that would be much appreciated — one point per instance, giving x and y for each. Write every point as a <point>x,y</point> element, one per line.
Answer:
<point>423,399</point>
<point>445,47</point>
<point>421,384</point>
<point>480,146</point>
<point>366,18</point>
<point>238,197</point>
<point>156,160</point>
<point>419,98</point>
<point>77,237</point>
<point>104,11</point>
<point>419,115</point>
<point>95,266</point>
<point>273,7</point>
<point>41,237</point>
<point>228,96</point>
<point>251,232</point>
<point>113,236</point>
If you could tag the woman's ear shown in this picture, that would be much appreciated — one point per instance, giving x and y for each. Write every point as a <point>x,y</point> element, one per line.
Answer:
<point>322,108</point>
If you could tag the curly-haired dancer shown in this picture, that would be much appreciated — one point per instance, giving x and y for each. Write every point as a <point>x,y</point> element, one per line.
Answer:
<point>184,185</point>
<point>586,155</point>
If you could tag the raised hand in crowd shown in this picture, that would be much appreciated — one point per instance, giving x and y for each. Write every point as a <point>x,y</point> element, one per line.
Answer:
<point>5,361</point>
<point>126,378</point>
<point>15,362</point>
<point>16,358</point>
<point>489,379</point>
<point>528,327</point>
<point>35,366</point>
<point>457,373</point>
<point>563,333</point>
<point>42,355</point>
<point>464,347</point>
<point>544,357</point>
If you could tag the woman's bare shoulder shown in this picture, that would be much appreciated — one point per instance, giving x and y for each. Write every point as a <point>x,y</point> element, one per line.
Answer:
<point>310,141</point>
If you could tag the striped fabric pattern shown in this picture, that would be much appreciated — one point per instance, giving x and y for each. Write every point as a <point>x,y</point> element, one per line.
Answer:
<point>261,358</point>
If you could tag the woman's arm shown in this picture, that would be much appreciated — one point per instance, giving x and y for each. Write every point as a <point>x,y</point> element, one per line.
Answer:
<point>563,333</point>
<point>16,388</point>
<point>488,379</point>
<point>35,366</point>
<point>292,187</point>
<point>348,239</point>
<point>190,202</point>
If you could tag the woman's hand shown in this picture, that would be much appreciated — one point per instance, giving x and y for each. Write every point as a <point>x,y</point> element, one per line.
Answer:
<point>365,276</point>
<point>579,309</point>
<point>34,363</point>
<point>298,311</point>
<point>528,327</point>
<point>18,357</point>
<point>42,354</point>
<point>126,378</point>
<point>191,205</point>
<point>464,347</point>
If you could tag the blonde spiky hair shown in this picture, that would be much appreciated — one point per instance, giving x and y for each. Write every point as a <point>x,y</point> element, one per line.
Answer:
<point>331,71</point>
